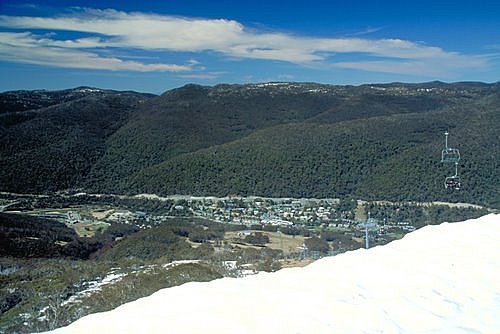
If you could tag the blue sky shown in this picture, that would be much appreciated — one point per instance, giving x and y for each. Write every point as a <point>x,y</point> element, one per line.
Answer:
<point>152,46</point>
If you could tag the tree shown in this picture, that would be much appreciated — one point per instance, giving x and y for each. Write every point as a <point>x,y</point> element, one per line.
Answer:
<point>329,235</point>
<point>257,238</point>
<point>316,244</point>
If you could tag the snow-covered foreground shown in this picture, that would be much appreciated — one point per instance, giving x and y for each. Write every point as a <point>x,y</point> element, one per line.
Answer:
<point>443,279</point>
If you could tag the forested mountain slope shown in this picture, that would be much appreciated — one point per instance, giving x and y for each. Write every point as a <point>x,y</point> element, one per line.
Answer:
<point>393,157</point>
<point>21,100</point>
<point>274,139</point>
<point>53,148</point>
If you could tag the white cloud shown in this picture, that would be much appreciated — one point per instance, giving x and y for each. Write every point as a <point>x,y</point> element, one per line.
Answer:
<point>407,67</point>
<point>115,29</point>
<point>202,76</point>
<point>366,31</point>
<point>23,5</point>
<point>417,67</point>
<point>26,48</point>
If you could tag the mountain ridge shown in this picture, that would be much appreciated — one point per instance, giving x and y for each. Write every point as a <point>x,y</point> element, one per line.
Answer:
<point>381,140</point>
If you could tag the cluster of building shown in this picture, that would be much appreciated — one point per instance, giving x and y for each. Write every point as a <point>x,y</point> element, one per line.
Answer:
<point>248,211</point>
<point>284,212</point>
<point>281,212</point>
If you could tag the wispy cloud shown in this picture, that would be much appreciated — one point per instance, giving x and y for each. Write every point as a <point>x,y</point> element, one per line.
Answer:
<point>365,32</point>
<point>27,48</point>
<point>23,5</point>
<point>438,68</point>
<point>202,76</point>
<point>111,29</point>
<point>493,46</point>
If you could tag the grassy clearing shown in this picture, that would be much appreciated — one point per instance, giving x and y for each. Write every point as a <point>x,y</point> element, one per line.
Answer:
<point>102,214</point>
<point>279,241</point>
<point>88,230</point>
<point>287,243</point>
<point>291,263</point>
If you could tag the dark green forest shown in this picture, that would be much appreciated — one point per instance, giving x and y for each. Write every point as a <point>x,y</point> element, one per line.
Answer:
<point>32,237</point>
<point>376,142</point>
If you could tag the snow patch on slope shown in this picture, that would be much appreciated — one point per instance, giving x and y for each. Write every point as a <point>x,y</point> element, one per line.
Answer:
<point>441,278</point>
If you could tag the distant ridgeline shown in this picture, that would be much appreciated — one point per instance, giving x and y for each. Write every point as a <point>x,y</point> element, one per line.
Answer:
<point>375,142</point>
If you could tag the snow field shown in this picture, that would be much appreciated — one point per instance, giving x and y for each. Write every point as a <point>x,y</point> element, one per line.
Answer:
<point>438,279</point>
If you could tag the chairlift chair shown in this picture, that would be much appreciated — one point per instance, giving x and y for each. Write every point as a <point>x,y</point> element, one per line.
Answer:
<point>452,182</point>
<point>449,155</point>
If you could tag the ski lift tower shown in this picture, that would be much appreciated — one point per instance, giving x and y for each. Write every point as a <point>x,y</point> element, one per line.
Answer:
<point>368,225</point>
<point>303,251</point>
